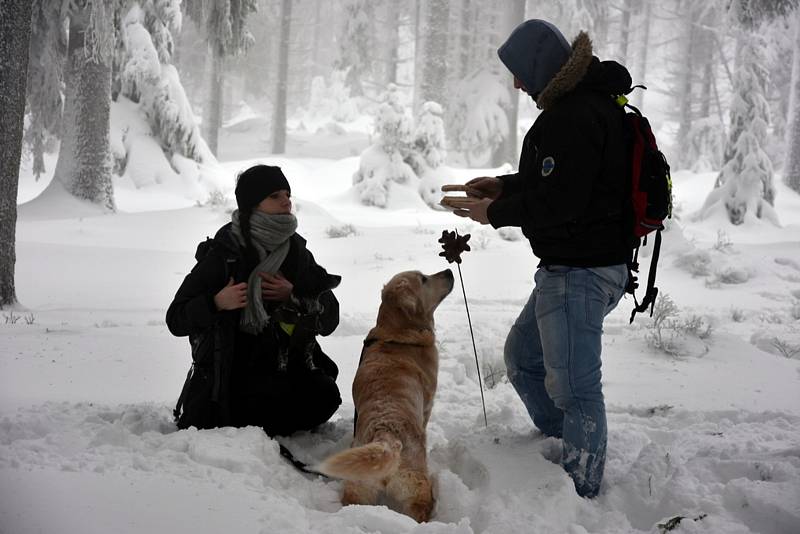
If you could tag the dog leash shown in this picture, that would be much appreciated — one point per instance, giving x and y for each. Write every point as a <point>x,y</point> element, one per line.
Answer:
<point>300,466</point>
<point>453,245</point>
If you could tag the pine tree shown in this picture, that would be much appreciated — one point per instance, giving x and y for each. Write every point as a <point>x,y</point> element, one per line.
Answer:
<point>145,74</point>
<point>356,44</point>
<point>15,34</point>
<point>224,24</point>
<point>428,146</point>
<point>383,163</point>
<point>744,185</point>
<point>791,170</point>
<point>83,168</point>
<point>46,58</point>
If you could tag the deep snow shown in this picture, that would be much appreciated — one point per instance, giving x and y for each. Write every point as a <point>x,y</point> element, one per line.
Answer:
<point>89,375</point>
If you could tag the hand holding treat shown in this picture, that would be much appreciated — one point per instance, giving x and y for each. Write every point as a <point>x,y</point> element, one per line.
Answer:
<point>482,187</point>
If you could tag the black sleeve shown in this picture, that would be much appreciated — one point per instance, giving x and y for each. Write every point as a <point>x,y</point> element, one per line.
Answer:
<point>329,319</point>
<point>193,309</point>
<point>575,143</point>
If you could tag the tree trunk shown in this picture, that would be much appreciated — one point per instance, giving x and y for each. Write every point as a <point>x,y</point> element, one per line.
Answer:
<point>506,151</point>
<point>791,172</point>
<point>625,33</point>
<point>641,65</point>
<point>684,85</point>
<point>392,42</point>
<point>279,116</point>
<point>418,40</point>
<point>465,39</point>
<point>213,108</point>
<point>434,66</point>
<point>84,159</point>
<point>15,34</point>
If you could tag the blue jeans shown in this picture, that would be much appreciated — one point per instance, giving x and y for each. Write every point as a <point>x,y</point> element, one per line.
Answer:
<point>552,354</point>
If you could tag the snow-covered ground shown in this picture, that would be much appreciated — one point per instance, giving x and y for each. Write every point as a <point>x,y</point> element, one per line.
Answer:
<point>89,374</point>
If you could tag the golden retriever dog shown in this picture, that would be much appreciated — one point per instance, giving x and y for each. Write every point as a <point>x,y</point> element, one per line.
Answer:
<point>393,393</point>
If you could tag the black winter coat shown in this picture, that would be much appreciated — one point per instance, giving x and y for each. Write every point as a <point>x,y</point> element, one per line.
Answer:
<point>569,195</point>
<point>226,359</point>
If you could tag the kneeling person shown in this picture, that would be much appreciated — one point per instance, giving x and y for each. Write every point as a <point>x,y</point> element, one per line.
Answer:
<point>252,307</point>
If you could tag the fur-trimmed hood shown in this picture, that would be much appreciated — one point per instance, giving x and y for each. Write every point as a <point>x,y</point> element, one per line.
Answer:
<point>570,74</point>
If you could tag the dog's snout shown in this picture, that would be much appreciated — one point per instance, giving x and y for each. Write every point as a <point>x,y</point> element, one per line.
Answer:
<point>448,277</point>
<point>447,273</point>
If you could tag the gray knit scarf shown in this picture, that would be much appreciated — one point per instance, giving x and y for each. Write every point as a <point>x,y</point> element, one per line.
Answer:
<point>270,235</point>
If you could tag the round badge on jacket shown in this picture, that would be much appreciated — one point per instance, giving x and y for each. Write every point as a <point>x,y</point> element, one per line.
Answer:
<point>548,164</point>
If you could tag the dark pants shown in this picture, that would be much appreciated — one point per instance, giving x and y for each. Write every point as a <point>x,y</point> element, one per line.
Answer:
<point>284,403</point>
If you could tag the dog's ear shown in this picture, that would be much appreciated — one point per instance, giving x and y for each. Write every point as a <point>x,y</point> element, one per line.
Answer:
<point>401,294</point>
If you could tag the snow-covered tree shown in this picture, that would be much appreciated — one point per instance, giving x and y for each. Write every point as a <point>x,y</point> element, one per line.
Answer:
<point>427,153</point>
<point>331,100</point>
<point>428,146</point>
<point>83,168</point>
<point>479,121</point>
<point>744,185</point>
<point>146,75</point>
<point>383,163</point>
<point>791,168</point>
<point>15,34</point>
<point>46,58</point>
<point>356,43</point>
<point>705,145</point>
<point>224,24</point>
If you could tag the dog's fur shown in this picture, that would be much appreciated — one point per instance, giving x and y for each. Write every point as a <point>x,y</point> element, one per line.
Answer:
<point>393,394</point>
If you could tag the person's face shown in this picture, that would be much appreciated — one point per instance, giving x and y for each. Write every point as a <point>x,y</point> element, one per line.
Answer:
<point>276,203</point>
<point>519,85</point>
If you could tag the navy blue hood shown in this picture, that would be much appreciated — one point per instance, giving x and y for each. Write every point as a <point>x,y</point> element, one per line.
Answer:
<point>534,52</point>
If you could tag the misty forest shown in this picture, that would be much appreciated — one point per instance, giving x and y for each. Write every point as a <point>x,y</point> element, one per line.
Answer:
<point>424,74</point>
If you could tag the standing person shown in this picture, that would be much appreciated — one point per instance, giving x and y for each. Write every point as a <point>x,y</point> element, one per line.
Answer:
<point>252,307</point>
<point>569,198</point>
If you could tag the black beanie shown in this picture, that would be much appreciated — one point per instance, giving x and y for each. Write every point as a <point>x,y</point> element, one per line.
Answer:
<point>257,183</point>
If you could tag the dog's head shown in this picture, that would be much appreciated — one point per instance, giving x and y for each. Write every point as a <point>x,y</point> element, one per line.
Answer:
<point>415,295</point>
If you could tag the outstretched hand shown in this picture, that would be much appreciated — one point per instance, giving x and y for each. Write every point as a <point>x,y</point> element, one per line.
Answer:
<point>471,207</point>
<point>484,187</point>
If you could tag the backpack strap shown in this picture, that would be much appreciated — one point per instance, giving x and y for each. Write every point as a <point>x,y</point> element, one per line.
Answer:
<point>176,413</point>
<point>651,292</point>
<point>203,249</point>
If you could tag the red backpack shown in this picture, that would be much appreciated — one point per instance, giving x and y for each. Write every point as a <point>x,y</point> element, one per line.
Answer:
<point>650,198</point>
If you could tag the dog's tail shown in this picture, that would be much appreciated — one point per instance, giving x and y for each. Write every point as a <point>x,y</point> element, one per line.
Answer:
<point>372,461</point>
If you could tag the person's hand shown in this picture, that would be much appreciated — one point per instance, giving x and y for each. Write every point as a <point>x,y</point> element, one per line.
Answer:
<point>275,287</point>
<point>232,296</point>
<point>474,208</point>
<point>484,187</point>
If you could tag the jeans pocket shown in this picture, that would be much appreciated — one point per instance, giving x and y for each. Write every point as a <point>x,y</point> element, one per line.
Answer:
<point>604,288</point>
<point>551,290</point>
